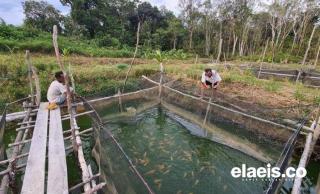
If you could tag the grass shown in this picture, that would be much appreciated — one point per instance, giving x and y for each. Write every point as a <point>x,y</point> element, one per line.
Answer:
<point>98,76</point>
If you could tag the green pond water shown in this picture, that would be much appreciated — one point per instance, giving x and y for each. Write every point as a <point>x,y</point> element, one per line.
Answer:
<point>173,160</point>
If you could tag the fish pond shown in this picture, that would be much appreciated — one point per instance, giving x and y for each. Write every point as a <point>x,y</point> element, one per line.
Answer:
<point>172,158</point>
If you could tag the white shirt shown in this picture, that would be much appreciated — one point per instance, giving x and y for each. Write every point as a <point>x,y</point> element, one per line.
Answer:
<point>55,90</point>
<point>213,79</point>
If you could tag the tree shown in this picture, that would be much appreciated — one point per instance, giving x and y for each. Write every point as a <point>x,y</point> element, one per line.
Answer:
<point>2,22</point>
<point>41,15</point>
<point>190,15</point>
<point>175,29</point>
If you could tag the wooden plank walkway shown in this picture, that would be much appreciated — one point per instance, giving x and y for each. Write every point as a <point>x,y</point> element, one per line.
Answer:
<point>35,171</point>
<point>57,165</point>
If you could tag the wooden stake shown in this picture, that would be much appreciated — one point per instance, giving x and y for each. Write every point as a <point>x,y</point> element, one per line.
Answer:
<point>196,60</point>
<point>264,54</point>
<point>30,75</point>
<point>207,112</point>
<point>37,84</point>
<point>134,57</point>
<point>120,101</point>
<point>161,80</point>
<point>76,140</point>
<point>302,164</point>
<point>66,77</point>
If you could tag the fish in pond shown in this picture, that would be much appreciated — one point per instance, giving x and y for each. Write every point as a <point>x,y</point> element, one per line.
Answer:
<point>161,167</point>
<point>185,175</point>
<point>225,187</point>
<point>192,173</point>
<point>179,192</point>
<point>166,172</point>
<point>150,172</point>
<point>158,183</point>
<point>201,169</point>
<point>171,158</point>
<point>195,183</point>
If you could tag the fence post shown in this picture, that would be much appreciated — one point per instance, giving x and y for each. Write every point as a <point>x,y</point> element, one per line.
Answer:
<point>207,112</point>
<point>262,59</point>
<point>120,101</point>
<point>30,75</point>
<point>161,79</point>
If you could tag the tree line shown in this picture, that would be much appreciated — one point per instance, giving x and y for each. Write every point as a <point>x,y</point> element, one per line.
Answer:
<point>220,29</point>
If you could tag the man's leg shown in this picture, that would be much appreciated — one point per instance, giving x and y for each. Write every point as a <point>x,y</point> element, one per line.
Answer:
<point>61,99</point>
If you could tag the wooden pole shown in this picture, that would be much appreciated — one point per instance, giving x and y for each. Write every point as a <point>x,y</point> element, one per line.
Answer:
<point>207,112</point>
<point>76,140</point>
<point>28,61</point>
<point>66,77</point>
<point>196,60</point>
<point>263,56</point>
<point>161,80</point>
<point>93,182</point>
<point>304,159</point>
<point>134,57</point>
<point>120,101</point>
<point>37,84</point>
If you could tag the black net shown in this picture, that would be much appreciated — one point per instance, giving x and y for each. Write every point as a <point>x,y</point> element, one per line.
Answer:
<point>262,135</point>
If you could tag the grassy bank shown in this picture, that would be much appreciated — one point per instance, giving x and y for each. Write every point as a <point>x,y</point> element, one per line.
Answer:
<point>103,76</point>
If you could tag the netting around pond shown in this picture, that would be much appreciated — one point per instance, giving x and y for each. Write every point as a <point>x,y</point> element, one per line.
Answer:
<point>257,137</point>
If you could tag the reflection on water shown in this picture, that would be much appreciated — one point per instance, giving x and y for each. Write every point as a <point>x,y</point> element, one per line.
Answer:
<point>174,161</point>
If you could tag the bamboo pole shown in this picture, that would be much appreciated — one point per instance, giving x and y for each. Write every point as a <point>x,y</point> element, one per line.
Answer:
<point>120,101</point>
<point>76,143</point>
<point>33,74</point>
<point>84,182</point>
<point>37,84</point>
<point>196,60</point>
<point>207,112</point>
<point>96,188</point>
<point>303,161</point>
<point>161,80</point>
<point>263,56</point>
<point>93,182</point>
<point>66,77</point>
<point>30,75</point>
<point>134,57</point>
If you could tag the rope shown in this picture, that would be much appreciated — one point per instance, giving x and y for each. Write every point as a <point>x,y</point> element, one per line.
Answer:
<point>286,154</point>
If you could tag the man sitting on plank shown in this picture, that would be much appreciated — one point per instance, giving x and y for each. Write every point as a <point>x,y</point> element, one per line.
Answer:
<point>57,92</point>
<point>210,79</point>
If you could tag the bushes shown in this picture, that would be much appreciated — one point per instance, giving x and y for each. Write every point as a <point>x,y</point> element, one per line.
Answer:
<point>172,54</point>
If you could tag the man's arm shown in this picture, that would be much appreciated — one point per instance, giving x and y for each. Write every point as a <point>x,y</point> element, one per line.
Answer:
<point>203,80</point>
<point>216,85</point>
